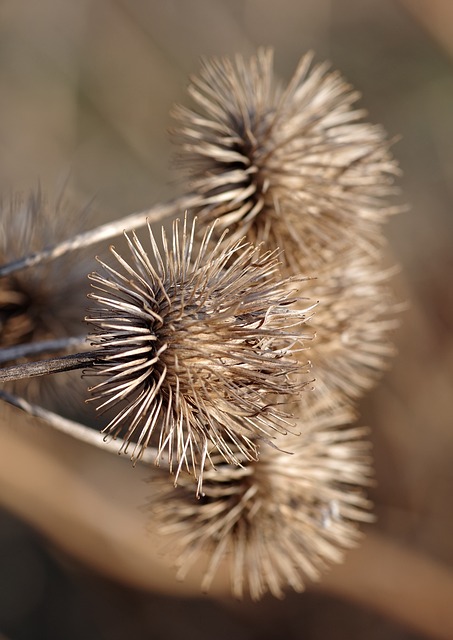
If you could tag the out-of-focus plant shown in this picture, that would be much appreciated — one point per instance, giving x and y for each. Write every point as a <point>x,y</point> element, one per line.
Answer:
<point>200,342</point>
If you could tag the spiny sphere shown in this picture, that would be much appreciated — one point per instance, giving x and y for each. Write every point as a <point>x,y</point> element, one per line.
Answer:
<point>43,302</point>
<point>294,167</point>
<point>353,321</point>
<point>276,522</point>
<point>36,303</point>
<point>195,349</point>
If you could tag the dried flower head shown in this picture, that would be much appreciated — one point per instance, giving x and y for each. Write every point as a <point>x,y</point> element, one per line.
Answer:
<point>275,522</point>
<point>44,302</point>
<point>294,167</point>
<point>35,302</point>
<point>195,346</point>
<point>353,321</point>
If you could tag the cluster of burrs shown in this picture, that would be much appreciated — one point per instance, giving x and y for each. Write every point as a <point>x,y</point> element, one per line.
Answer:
<point>233,351</point>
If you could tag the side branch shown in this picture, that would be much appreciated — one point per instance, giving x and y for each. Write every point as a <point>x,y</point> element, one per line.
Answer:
<point>101,233</point>
<point>44,367</point>
<point>77,430</point>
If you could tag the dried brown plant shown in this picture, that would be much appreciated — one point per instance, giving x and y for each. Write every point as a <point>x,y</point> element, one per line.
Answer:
<point>196,347</point>
<point>43,303</point>
<point>275,522</point>
<point>199,340</point>
<point>295,167</point>
<point>299,169</point>
<point>355,321</point>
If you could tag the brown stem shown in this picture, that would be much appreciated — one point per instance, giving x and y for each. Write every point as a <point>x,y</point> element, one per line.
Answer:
<point>103,232</point>
<point>77,430</point>
<point>44,367</point>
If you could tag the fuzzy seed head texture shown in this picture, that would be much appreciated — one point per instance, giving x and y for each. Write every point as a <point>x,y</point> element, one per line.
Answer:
<point>36,302</point>
<point>47,301</point>
<point>196,348</point>
<point>295,167</point>
<point>276,522</point>
<point>354,322</point>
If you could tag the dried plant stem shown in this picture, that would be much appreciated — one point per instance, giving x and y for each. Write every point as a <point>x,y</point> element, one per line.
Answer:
<point>75,429</point>
<point>44,367</point>
<point>101,233</point>
<point>400,583</point>
<point>8,354</point>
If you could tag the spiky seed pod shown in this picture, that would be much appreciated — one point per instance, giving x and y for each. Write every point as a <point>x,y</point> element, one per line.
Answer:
<point>354,322</point>
<point>44,302</point>
<point>195,348</point>
<point>276,522</point>
<point>295,167</point>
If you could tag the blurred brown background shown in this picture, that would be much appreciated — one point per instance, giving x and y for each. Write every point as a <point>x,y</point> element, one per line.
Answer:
<point>85,92</point>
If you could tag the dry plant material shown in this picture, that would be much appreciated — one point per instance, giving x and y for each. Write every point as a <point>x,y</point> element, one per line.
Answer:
<point>199,339</point>
<point>46,302</point>
<point>295,167</point>
<point>275,522</point>
<point>196,347</point>
<point>354,322</point>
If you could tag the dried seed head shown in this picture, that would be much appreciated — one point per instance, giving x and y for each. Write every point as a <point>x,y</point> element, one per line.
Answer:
<point>276,522</point>
<point>195,347</point>
<point>43,302</point>
<point>354,322</point>
<point>294,167</point>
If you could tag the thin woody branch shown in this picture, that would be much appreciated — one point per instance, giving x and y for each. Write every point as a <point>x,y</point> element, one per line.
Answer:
<point>75,429</point>
<point>44,367</point>
<point>101,233</point>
